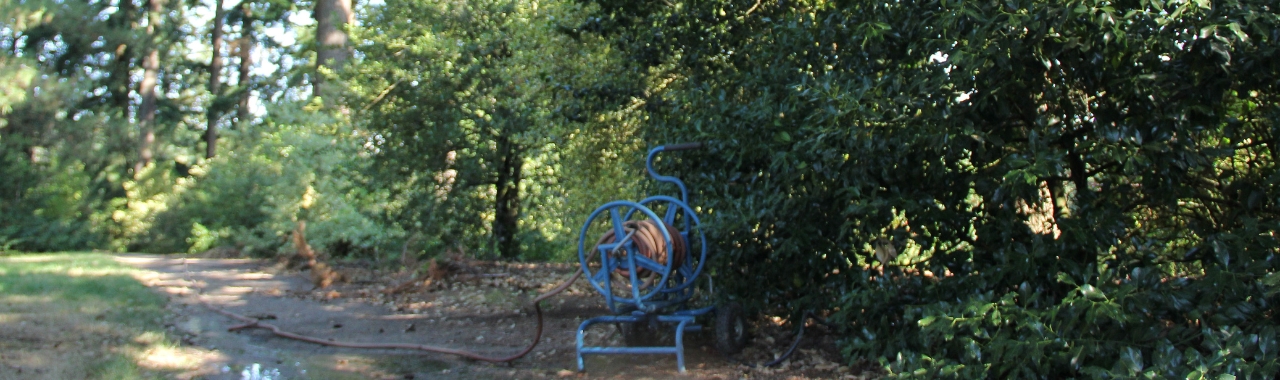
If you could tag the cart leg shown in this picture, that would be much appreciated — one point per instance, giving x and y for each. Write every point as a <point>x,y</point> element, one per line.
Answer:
<point>680,344</point>
<point>581,333</point>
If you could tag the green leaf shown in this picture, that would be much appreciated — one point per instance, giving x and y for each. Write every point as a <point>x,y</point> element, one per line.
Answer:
<point>1132,359</point>
<point>1065,278</point>
<point>1235,27</point>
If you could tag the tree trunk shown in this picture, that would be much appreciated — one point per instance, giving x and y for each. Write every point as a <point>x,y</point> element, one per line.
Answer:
<point>332,51</point>
<point>507,209</point>
<point>1086,253</point>
<point>246,62</point>
<point>215,81</point>
<point>147,89</point>
<point>120,82</point>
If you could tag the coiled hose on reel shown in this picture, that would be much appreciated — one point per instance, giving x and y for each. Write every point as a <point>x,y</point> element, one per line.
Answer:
<point>649,243</point>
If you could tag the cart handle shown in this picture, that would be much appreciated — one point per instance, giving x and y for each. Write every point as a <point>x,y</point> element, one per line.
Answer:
<point>648,164</point>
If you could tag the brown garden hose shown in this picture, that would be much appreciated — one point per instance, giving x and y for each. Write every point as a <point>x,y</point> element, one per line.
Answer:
<point>649,239</point>
<point>650,243</point>
<point>537,336</point>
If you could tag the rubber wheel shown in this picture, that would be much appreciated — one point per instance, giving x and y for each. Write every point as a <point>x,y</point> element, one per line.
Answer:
<point>731,329</point>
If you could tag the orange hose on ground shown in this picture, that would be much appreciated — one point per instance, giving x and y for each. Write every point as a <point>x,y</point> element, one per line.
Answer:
<point>649,242</point>
<point>537,335</point>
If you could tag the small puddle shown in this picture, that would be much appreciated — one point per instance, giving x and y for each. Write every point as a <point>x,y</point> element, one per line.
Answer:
<point>256,371</point>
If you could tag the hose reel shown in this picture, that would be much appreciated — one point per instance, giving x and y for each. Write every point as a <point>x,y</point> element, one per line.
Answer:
<point>667,252</point>
<point>649,243</point>
<point>658,249</point>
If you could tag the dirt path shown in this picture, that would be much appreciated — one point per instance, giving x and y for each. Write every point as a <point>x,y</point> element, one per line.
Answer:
<point>486,316</point>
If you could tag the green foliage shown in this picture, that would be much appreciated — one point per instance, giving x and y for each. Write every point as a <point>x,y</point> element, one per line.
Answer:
<point>486,126</point>
<point>67,137</point>
<point>1091,332</point>
<point>48,199</point>
<point>970,188</point>
<point>1008,151</point>
<point>300,166</point>
<point>493,127</point>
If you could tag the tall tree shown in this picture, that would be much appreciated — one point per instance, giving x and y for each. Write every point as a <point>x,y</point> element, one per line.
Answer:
<point>506,211</point>
<point>147,89</point>
<point>332,16</point>
<point>215,81</point>
<point>120,84</point>
<point>245,50</point>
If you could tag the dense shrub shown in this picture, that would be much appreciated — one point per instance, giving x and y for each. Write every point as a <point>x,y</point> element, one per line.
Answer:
<point>986,189</point>
<point>296,166</point>
<point>46,208</point>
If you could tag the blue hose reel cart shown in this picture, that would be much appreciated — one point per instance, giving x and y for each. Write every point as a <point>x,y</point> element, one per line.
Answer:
<point>646,261</point>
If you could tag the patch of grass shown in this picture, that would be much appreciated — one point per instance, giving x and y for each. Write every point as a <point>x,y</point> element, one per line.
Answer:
<point>76,315</point>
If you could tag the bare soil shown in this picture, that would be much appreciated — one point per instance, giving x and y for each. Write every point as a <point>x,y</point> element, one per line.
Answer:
<point>485,310</point>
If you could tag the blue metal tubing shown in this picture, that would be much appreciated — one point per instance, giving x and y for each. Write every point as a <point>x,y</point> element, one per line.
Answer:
<point>684,323</point>
<point>695,312</point>
<point>632,260</point>
<point>648,165</point>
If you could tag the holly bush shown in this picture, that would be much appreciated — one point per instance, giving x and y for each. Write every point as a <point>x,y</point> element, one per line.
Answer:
<point>984,188</point>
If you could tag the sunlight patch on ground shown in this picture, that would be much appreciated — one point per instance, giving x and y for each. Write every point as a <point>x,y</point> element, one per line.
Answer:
<point>95,272</point>
<point>12,301</point>
<point>234,290</point>
<point>163,357</point>
<point>32,258</point>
